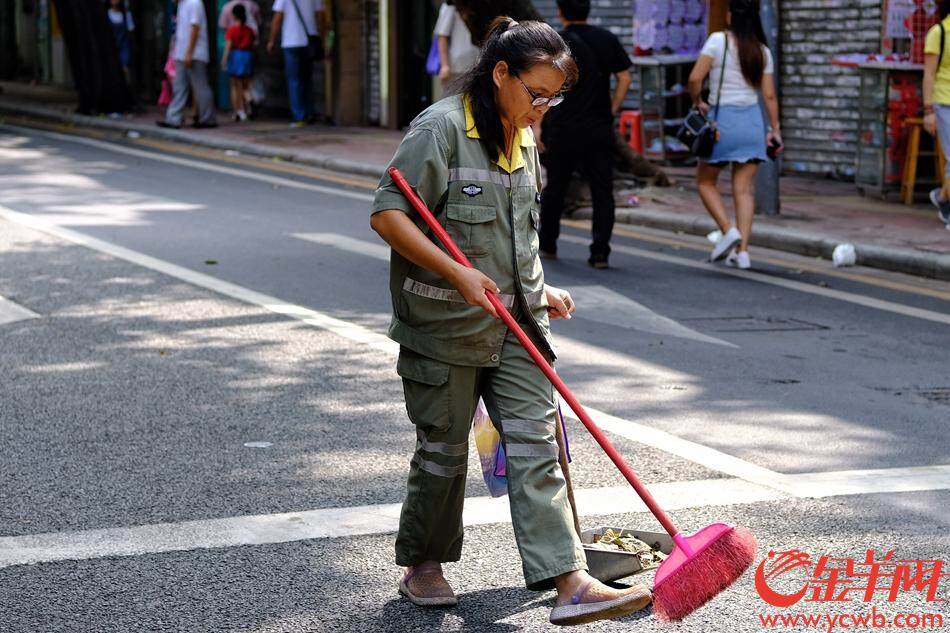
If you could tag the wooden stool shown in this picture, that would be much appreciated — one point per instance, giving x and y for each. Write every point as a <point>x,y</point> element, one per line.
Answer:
<point>909,176</point>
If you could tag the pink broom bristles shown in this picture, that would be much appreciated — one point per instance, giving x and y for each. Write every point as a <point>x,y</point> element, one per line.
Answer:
<point>700,578</point>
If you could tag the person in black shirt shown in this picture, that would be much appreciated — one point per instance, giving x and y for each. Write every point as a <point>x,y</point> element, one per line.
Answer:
<point>579,132</point>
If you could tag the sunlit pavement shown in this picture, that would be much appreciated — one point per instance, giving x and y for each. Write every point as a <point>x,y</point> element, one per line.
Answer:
<point>203,429</point>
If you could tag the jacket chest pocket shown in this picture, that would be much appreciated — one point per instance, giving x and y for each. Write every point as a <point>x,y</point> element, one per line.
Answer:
<point>471,226</point>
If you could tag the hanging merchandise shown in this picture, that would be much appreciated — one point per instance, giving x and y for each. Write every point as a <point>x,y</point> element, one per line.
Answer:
<point>897,13</point>
<point>663,27</point>
<point>918,22</point>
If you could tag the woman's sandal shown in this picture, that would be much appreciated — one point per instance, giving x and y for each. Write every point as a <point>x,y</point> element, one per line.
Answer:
<point>425,586</point>
<point>581,613</point>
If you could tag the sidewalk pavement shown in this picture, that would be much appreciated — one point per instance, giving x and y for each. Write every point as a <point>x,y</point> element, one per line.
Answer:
<point>817,215</point>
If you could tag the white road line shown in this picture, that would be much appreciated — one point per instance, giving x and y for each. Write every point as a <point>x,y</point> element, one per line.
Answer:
<point>697,453</point>
<point>194,164</point>
<point>384,518</point>
<point>11,312</point>
<point>342,328</point>
<point>841,295</point>
<point>688,450</point>
<point>858,482</point>
<point>603,305</point>
<point>345,522</point>
<point>754,483</point>
<point>348,244</point>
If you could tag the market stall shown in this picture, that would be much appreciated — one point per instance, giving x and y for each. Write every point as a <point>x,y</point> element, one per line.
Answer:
<point>668,36</point>
<point>890,105</point>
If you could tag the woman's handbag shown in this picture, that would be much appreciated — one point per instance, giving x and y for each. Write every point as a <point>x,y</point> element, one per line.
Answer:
<point>698,133</point>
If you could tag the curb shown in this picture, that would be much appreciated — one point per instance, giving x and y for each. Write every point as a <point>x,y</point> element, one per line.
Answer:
<point>809,244</point>
<point>315,159</point>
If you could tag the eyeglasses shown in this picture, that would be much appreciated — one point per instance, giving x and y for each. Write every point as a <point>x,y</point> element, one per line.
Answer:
<point>537,100</point>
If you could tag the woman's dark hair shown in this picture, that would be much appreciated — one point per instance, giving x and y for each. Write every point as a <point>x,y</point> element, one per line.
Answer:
<point>943,8</point>
<point>746,26</point>
<point>239,13</point>
<point>521,45</point>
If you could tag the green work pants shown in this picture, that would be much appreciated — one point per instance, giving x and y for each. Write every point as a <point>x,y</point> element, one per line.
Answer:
<point>441,400</point>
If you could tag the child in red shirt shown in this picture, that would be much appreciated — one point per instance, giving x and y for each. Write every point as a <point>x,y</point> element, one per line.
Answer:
<point>238,61</point>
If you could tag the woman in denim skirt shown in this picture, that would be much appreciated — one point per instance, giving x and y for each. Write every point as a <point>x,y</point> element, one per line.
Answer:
<point>740,70</point>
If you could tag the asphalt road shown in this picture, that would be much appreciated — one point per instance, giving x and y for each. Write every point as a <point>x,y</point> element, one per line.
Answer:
<point>186,303</point>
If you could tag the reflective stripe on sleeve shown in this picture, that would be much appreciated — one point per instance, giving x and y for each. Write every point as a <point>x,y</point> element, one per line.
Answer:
<point>447,294</point>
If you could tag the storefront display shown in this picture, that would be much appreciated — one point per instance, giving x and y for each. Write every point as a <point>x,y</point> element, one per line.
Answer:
<point>890,94</point>
<point>664,102</point>
<point>669,26</point>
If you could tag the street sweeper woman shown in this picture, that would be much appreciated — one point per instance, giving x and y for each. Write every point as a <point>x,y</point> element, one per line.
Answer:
<point>473,161</point>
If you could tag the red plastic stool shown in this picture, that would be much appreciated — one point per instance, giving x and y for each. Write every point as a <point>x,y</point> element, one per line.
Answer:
<point>631,119</point>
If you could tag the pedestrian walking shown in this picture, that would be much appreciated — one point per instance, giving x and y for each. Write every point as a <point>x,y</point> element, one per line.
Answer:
<point>120,19</point>
<point>740,70</point>
<point>191,53</point>
<point>254,95</point>
<point>238,61</point>
<point>296,22</point>
<point>457,53</point>
<point>472,158</point>
<point>937,102</point>
<point>580,133</point>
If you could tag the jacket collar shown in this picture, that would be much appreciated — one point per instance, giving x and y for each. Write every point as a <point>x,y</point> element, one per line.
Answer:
<point>525,139</point>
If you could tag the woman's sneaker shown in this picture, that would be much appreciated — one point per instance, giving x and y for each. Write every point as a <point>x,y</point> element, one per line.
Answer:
<point>739,260</point>
<point>726,243</point>
<point>943,206</point>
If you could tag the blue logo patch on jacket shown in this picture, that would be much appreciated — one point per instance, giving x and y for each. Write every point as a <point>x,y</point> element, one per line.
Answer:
<point>471,190</point>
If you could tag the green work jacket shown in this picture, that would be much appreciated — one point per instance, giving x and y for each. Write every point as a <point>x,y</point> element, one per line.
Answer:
<point>491,208</point>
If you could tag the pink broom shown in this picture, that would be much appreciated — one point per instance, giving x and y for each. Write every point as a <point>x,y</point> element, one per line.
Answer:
<point>701,565</point>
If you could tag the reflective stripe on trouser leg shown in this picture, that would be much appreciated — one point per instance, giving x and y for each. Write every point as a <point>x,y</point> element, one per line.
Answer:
<point>430,524</point>
<point>520,397</point>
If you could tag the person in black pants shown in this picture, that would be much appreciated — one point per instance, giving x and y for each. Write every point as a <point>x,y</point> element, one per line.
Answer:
<point>580,132</point>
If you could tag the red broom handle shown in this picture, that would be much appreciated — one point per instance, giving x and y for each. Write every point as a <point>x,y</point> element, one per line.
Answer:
<point>542,363</point>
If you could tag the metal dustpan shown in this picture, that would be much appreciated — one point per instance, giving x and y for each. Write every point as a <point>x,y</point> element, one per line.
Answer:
<point>607,565</point>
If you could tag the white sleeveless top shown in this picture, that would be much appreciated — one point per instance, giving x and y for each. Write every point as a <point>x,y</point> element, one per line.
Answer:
<point>735,89</point>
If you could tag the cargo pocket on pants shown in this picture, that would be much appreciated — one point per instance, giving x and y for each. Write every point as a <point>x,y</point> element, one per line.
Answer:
<point>425,382</point>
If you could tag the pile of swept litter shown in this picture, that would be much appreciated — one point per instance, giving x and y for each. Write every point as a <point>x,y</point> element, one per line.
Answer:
<point>612,541</point>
